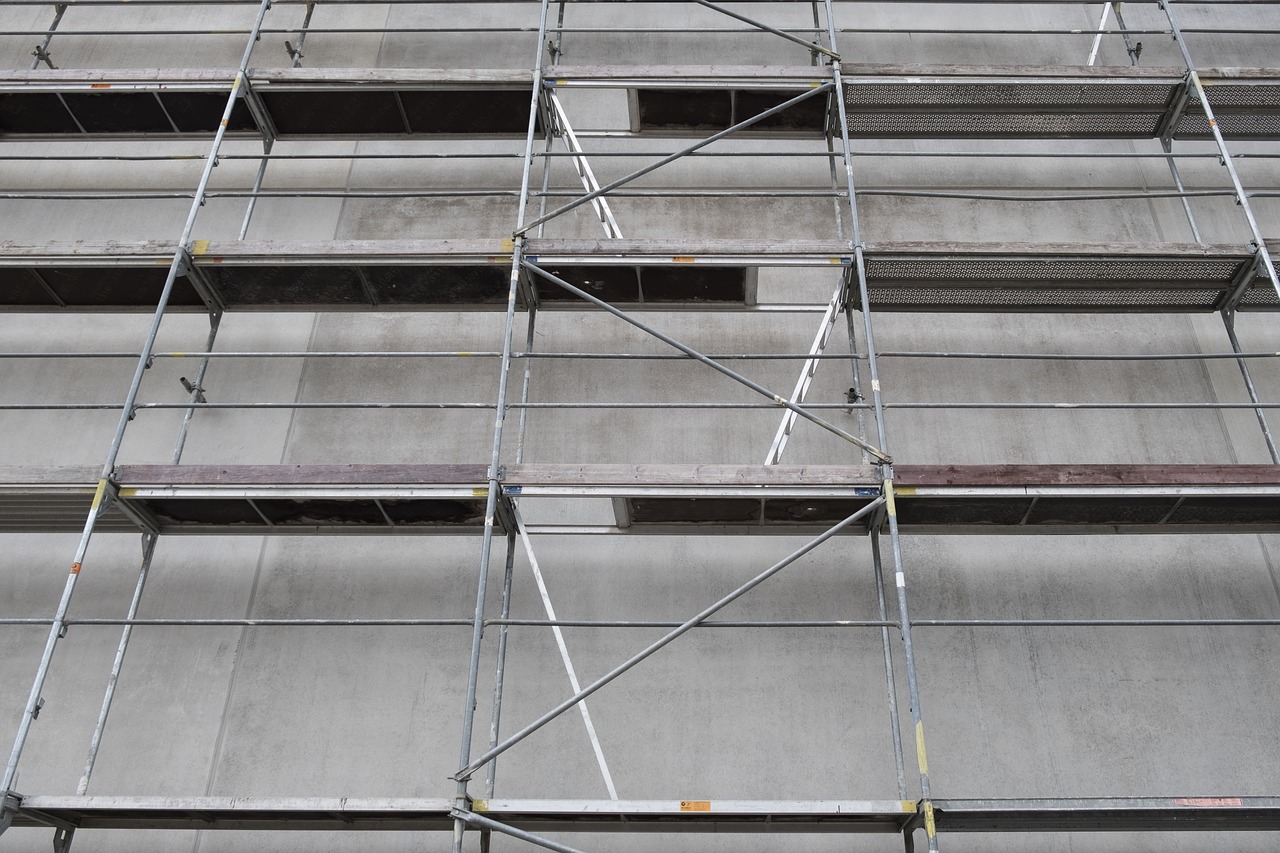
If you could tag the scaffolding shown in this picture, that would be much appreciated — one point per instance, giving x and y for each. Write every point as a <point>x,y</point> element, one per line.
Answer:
<point>815,111</point>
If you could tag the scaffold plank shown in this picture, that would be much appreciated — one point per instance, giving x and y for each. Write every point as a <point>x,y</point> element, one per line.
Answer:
<point>396,275</point>
<point>1061,102</point>
<point>299,813</point>
<point>262,813</point>
<point>856,816</point>
<point>655,499</point>
<point>881,101</point>
<point>1088,498</point>
<point>1053,278</point>
<point>295,103</point>
<point>1115,814</point>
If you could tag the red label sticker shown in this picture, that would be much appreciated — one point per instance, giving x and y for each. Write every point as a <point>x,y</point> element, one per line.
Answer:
<point>1208,802</point>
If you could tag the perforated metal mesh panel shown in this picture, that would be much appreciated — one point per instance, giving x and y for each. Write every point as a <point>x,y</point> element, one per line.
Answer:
<point>1260,295</point>
<point>1261,126</point>
<point>1260,95</point>
<point>1032,299</point>
<point>1216,272</point>
<point>978,123</point>
<point>1065,95</point>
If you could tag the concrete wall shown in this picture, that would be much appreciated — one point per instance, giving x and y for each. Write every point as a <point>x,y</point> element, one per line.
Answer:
<point>723,713</point>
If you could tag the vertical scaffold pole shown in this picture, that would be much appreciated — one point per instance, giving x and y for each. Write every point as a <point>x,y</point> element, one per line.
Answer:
<point>1242,200</point>
<point>57,629</point>
<point>95,740</point>
<point>149,541</point>
<point>1224,155</point>
<point>495,459</point>
<point>495,714</point>
<point>908,649</point>
<point>554,50</point>
<point>895,721</point>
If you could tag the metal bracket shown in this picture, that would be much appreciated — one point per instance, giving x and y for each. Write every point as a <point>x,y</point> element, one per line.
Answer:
<point>202,284</point>
<point>9,806</point>
<point>62,838</point>
<point>108,500</point>
<point>852,293</point>
<point>528,290</point>
<point>193,389</point>
<point>1240,284</point>
<point>505,511</point>
<point>1169,123</point>
<point>1134,49</point>
<point>137,514</point>
<point>258,110</point>
<point>295,53</point>
<point>853,398</point>
<point>42,55</point>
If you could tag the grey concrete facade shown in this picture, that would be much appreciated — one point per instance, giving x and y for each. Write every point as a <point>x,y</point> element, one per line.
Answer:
<point>765,714</point>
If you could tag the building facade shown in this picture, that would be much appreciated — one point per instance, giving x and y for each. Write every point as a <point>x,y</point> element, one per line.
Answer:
<point>860,407</point>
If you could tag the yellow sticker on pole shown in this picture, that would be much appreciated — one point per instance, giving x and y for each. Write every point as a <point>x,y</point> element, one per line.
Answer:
<point>695,805</point>
<point>924,762</point>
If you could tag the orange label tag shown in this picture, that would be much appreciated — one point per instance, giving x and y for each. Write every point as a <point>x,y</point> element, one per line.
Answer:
<point>1208,801</point>
<point>99,85</point>
<point>695,805</point>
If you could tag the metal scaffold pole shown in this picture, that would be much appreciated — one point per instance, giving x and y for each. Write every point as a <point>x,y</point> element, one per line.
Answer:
<point>908,649</point>
<point>105,489</point>
<point>1241,197</point>
<point>1264,262</point>
<point>462,801</point>
<point>640,469</point>
<point>149,541</point>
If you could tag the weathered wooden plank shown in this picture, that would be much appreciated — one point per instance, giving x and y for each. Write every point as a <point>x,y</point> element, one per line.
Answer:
<point>790,74</point>
<point>413,78</point>
<point>690,475</point>
<point>668,248</point>
<point>87,251</point>
<point>1086,475</point>
<point>270,252</point>
<point>176,77</point>
<point>48,475</point>
<point>297,475</point>
<point>655,475</point>
<point>494,250</point>
<point>854,73</point>
<point>1101,251</point>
